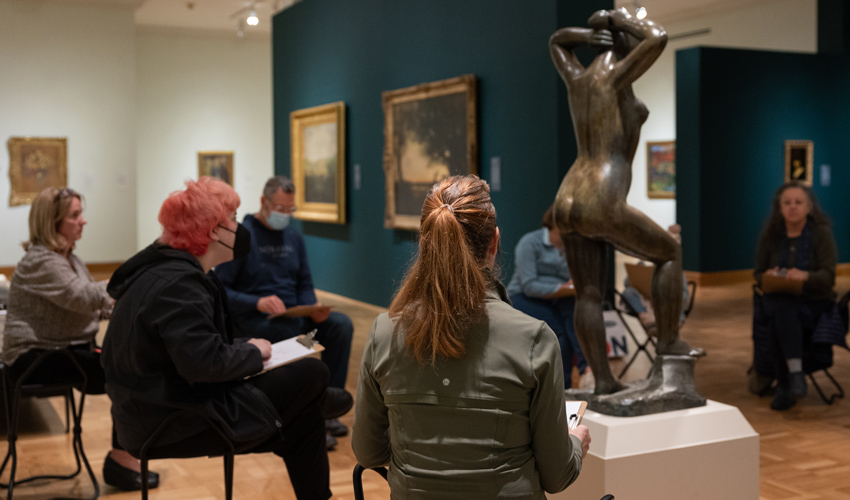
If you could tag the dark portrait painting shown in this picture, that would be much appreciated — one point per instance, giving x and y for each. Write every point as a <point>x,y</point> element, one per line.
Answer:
<point>799,161</point>
<point>218,164</point>
<point>430,135</point>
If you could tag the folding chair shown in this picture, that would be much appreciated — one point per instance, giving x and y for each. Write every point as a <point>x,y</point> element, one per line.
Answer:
<point>15,389</point>
<point>640,278</point>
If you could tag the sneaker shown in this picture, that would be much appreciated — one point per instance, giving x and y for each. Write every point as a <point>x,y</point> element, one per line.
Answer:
<point>336,428</point>
<point>797,383</point>
<point>330,442</point>
<point>337,403</point>
<point>783,399</point>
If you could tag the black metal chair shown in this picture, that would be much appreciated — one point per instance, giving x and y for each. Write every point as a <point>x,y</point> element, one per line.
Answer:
<point>23,386</point>
<point>625,308</point>
<point>817,347</point>
<point>358,481</point>
<point>149,452</point>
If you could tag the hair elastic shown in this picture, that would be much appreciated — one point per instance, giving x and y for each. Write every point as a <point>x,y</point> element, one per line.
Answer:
<point>449,207</point>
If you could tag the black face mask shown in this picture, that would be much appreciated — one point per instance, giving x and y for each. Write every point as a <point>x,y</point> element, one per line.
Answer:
<point>242,243</point>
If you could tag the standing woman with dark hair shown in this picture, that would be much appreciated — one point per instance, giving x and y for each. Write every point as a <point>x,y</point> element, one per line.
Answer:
<point>55,302</point>
<point>460,393</point>
<point>797,243</point>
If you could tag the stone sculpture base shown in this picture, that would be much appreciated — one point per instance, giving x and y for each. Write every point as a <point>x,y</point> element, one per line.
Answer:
<point>704,453</point>
<point>670,386</point>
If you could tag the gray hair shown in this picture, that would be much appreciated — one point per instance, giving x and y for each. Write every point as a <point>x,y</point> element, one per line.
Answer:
<point>278,182</point>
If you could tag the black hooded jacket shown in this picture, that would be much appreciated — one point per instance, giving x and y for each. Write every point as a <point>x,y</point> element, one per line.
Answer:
<point>170,346</point>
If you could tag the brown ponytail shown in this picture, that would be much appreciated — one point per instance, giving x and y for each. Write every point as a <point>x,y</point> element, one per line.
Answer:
<point>443,291</point>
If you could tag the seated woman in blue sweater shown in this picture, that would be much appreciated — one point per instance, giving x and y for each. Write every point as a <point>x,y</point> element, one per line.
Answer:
<point>541,287</point>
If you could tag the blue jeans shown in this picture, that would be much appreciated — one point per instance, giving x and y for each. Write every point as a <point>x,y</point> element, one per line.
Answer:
<point>334,334</point>
<point>558,315</point>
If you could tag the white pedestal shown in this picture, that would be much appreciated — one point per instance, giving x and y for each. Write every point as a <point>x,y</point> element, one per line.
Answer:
<point>706,453</point>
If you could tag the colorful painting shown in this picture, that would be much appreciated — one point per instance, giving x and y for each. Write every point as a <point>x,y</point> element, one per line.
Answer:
<point>36,163</point>
<point>430,134</point>
<point>661,169</point>
<point>318,162</point>
<point>218,164</point>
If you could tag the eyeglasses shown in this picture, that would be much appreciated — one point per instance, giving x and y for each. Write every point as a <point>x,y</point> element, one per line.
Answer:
<point>284,210</point>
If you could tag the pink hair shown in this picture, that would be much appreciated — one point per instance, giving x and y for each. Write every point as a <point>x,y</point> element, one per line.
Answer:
<point>188,216</point>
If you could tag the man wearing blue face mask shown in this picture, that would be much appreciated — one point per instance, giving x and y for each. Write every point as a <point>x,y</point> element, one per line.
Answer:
<point>275,276</point>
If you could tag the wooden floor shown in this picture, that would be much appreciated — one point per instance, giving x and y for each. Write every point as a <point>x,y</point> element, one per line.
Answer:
<point>805,452</point>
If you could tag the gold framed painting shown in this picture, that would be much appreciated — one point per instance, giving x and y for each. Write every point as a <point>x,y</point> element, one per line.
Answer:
<point>430,133</point>
<point>218,164</point>
<point>317,140</point>
<point>36,163</point>
<point>661,170</point>
<point>799,161</point>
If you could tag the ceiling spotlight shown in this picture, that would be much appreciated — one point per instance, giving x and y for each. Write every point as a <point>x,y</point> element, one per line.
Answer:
<point>253,20</point>
<point>640,13</point>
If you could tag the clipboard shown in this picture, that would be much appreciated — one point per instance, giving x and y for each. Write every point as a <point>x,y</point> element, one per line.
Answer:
<point>298,311</point>
<point>575,411</point>
<point>291,350</point>
<point>781,284</point>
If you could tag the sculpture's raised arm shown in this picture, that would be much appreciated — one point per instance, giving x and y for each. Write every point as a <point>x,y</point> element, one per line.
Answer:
<point>652,40</point>
<point>564,41</point>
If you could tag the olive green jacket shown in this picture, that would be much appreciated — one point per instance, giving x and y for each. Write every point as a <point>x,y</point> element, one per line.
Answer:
<point>489,425</point>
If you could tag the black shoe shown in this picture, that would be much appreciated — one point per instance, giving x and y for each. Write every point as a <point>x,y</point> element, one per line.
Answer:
<point>337,403</point>
<point>758,384</point>
<point>330,442</point>
<point>783,399</point>
<point>797,383</point>
<point>114,474</point>
<point>336,428</point>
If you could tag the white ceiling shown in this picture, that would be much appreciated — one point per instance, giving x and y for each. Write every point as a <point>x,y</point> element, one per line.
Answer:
<point>225,15</point>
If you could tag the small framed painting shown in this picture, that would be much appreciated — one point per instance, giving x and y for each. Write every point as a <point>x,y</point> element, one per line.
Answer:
<point>430,133</point>
<point>799,161</point>
<point>317,139</point>
<point>661,169</point>
<point>36,163</point>
<point>218,164</point>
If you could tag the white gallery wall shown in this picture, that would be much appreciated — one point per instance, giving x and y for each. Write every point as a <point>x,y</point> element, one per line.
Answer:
<point>780,25</point>
<point>200,92</point>
<point>69,71</point>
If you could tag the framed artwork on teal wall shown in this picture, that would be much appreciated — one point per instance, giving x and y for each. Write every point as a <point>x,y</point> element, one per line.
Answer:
<point>36,163</point>
<point>317,137</point>
<point>218,164</point>
<point>799,161</point>
<point>661,169</point>
<point>430,133</point>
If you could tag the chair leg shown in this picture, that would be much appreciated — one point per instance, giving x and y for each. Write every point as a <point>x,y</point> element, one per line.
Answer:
<point>831,398</point>
<point>143,462</point>
<point>68,398</point>
<point>228,476</point>
<point>357,479</point>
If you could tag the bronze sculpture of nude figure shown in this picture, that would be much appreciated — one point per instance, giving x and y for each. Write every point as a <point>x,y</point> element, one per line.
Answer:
<point>591,206</point>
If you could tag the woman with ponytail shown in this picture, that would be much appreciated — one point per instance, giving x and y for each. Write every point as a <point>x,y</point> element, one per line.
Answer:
<point>459,393</point>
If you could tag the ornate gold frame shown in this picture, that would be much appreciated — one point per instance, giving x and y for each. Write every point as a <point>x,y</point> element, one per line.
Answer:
<point>18,195</point>
<point>299,120</point>
<point>809,148</point>
<point>462,84</point>
<point>202,171</point>
<point>658,195</point>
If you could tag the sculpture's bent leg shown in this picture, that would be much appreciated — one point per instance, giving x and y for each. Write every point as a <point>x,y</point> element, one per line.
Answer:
<point>588,264</point>
<point>631,231</point>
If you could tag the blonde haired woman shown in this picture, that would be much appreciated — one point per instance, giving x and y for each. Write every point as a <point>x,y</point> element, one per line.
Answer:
<point>55,302</point>
<point>461,394</point>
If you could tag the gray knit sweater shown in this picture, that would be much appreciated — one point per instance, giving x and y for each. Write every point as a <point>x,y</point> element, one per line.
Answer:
<point>52,303</point>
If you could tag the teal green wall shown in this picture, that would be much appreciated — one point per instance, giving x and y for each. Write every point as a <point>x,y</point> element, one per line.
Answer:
<point>352,50</point>
<point>735,110</point>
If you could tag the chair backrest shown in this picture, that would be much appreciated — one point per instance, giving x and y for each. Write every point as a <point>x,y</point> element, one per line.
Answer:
<point>640,278</point>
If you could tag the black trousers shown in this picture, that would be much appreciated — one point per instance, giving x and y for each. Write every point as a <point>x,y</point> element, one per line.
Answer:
<point>791,318</point>
<point>297,391</point>
<point>58,368</point>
